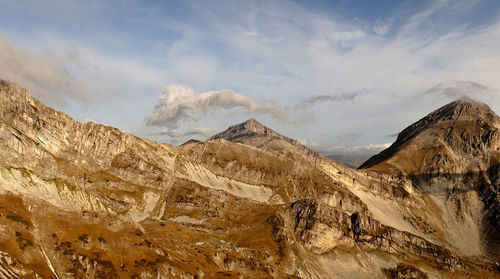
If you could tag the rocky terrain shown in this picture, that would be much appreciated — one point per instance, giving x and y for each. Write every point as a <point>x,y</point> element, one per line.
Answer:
<point>89,201</point>
<point>453,154</point>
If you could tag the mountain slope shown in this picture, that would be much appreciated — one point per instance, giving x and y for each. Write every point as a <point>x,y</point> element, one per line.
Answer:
<point>465,126</point>
<point>453,154</point>
<point>89,201</point>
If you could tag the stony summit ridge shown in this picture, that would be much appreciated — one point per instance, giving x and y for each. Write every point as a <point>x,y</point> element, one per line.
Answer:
<point>254,133</point>
<point>249,128</point>
<point>90,201</point>
<point>457,117</point>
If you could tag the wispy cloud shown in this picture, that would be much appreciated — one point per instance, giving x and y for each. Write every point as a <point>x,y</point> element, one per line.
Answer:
<point>279,51</point>
<point>44,74</point>
<point>458,89</point>
<point>394,135</point>
<point>327,98</point>
<point>181,102</point>
<point>357,150</point>
<point>350,136</point>
<point>196,131</point>
<point>381,28</point>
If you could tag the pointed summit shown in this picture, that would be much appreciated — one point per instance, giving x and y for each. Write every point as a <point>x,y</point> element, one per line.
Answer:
<point>462,126</point>
<point>252,120</point>
<point>464,107</point>
<point>255,126</point>
<point>249,128</point>
<point>252,132</point>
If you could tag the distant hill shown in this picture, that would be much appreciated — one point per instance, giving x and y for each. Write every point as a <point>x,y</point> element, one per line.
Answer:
<point>351,161</point>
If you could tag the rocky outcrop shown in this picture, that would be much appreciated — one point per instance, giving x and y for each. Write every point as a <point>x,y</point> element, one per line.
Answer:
<point>322,228</point>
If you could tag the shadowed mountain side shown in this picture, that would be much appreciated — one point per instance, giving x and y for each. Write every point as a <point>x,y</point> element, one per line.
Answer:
<point>457,188</point>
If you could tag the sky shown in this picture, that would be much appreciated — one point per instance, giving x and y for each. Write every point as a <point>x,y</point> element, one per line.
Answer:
<point>342,77</point>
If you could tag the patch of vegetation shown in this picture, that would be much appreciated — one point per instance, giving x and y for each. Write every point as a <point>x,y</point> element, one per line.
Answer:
<point>23,242</point>
<point>18,219</point>
<point>84,238</point>
<point>404,271</point>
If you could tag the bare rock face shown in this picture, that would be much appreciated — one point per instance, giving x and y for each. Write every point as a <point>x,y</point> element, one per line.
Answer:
<point>89,201</point>
<point>405,272</point>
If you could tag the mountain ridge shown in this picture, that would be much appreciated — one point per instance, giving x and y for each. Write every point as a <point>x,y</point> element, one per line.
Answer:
<point>76,197</point>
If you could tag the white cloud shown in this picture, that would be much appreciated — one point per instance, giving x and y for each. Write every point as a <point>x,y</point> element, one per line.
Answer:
<point>347,37</point>
<point>201,131</point>
<point>357,150</point>
<point>350,136</point>
<point>457,89</point>
<point>176,136</point>
<point>180,102</point>
<point>327,98</point>
<point>308,144</point>
<point>381,28</point>
<point>286,52</point>
<point>44,74</point>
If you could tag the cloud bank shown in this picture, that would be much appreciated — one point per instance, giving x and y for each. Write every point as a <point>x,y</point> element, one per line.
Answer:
<point>44,75</point>
<point>180,102</point>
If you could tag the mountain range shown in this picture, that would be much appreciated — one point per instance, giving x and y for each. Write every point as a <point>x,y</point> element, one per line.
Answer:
<point>85,200</point>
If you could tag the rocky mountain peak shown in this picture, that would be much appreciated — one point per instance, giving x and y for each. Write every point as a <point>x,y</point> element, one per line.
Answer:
<point>249,128</point>
<point>11,94</point>
<point>464,125</point>
<point>252,132</point>
<point>463,109</point>
<point>253,125</point>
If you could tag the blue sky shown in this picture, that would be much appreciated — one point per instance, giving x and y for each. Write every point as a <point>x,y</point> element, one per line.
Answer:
<point>341,76</point>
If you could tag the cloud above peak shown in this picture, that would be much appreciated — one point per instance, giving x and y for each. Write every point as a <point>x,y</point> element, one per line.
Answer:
<point>458,89</point>
<point>328,98</point>
<point>173,133</point>
<point>180,102</point>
